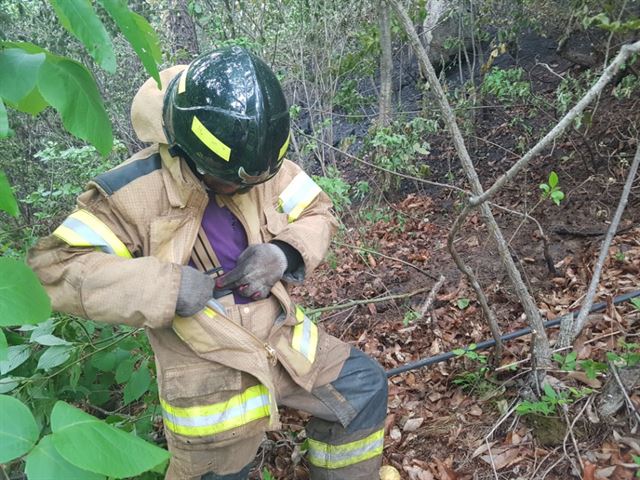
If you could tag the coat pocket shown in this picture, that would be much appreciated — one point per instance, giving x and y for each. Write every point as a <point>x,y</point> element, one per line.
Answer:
<point>168,237</point>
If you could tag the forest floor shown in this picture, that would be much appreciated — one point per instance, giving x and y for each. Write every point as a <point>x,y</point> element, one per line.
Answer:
<point>455,420</point>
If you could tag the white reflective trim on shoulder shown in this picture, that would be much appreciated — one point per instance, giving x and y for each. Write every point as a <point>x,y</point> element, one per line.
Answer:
<point>83,229</point>
<point>324,455</point>
<point>298,195</point>
<point>198,421</point>
<point>305,336</point>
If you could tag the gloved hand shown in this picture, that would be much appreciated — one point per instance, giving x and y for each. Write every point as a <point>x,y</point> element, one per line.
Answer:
<point>196,289</point>
<point>259,267</point>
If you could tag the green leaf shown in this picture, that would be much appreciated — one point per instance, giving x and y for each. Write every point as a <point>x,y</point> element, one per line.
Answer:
<point>44,463</point>
<point>18,72</point>
<point>636,303</point>
<point>462,303</point>
<point>69,88</point>
<point>3,346</point>
<point>50,340</point>
<point>18,429</point>
<point>54,356</point>
<point>108,361</point>
<point>7,202</point>
<point>32,103</point>
<point>16,356</point>
<point>125,369</point>
<point>553,179</point>
<point>77,436</point>
<point>80,19</point>
<point>8,383</point>
<point>22,298</point>
<point>138,33</point>
<point>557,196</point>
<point>138,384</point>
<point>4,120</point>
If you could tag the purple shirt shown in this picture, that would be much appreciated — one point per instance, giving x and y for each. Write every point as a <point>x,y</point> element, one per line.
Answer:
<point>227,237</point>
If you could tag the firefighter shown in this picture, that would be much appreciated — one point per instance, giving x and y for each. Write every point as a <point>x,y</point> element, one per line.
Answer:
<point>196,238</point>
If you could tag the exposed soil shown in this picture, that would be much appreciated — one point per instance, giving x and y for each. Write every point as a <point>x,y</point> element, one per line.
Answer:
<point>444,421</point>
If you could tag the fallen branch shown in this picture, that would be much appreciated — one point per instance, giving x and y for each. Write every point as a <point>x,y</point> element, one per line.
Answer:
<point>623,389</point>
<point>430,298</point>
<point>570,329</point>
<point>366,301</point>
<point>395,259</point>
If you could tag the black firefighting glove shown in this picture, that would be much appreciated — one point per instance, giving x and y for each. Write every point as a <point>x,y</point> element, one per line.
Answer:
<point>196,289</point>
<point>258,269</point>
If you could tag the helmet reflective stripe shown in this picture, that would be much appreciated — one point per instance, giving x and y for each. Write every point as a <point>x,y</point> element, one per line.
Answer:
<point>305,336</point>
<point>210,140</point>
<point>284,147</point>
<point>83,229</point>
<point>328,456</point>
<point>239,410</point>
<point>298,195</point>
<point>182,86</point>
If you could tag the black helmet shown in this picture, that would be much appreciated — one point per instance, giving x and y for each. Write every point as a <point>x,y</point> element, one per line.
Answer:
<point>226,112</point>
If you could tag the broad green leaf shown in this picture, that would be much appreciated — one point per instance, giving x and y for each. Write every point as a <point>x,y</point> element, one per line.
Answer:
<point>3,346</point>
<point>80,19</point>
<point>138,33</point>
<point>50,340</point>
<point>32,103</point>
<point>125,369</point>
<point>22,298</point>
<point>553,179</point>
<point>16,356</point>
<point>7,202</point>
<point>44,328</point>
<point>18,429</point>
<point>4,121</point>
<point>69,88</point>
<point>462,303</point>
<point>8,383</point>
<point>108,361</point>
<point>54,356</point>
<point>138,384</point>
<point>45,463</point>
<point>18,72</point>
<point>77,436</point>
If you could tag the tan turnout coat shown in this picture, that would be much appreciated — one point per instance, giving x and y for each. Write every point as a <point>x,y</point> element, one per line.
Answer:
<point>155,212</point>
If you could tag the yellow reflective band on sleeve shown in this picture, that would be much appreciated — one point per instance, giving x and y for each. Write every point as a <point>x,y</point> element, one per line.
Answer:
<point>199,421</point>
<point>327,456</point>
<point>182,85</point>
<point>210,140</point>
<point>83,229</point>
<point>305,336</point>
<point>298,195</point>
<point>284,147</point>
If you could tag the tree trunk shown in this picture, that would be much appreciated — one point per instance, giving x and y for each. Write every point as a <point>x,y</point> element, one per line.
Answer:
<point>183,39</point>
<point>386,66</point>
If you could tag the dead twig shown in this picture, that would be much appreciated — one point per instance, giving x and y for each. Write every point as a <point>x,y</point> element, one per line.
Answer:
<point>366,301</point>
<point>430,298</point>
<point>570,329</point>
<point>570,426</point>
<point>630,405</point>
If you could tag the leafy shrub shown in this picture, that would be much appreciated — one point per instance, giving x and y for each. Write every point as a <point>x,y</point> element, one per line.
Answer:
<point>336,188</point>
<point>507,86</point>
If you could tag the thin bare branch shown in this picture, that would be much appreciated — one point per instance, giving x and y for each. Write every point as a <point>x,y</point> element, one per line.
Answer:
<point>533,315</point>
<point>430,298</point>
<point>569,329</point>
<point>625,52</point>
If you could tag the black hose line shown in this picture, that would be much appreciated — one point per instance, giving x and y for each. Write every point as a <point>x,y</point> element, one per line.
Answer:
<point>442,357</point>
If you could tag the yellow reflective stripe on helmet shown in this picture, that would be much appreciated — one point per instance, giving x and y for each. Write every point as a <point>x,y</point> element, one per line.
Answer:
<point>284,147</point>
<point>298,195</point>
<point>305,336</point>
<point>210,140</point>
<point>328,456</point>
<point>83,229</point>
<point>182,83</point>
<point>241,409</point>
